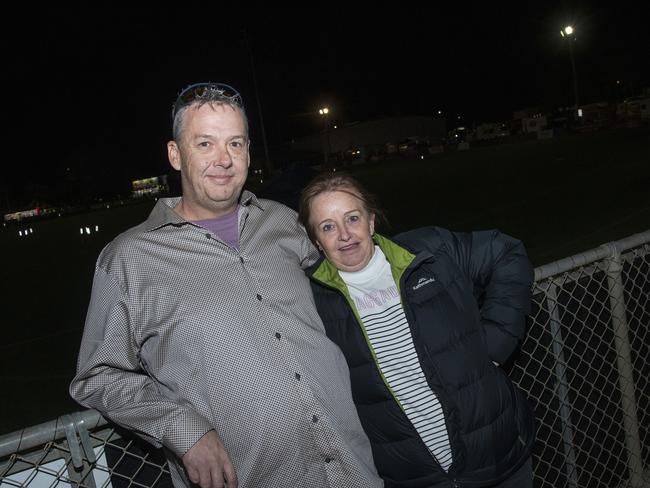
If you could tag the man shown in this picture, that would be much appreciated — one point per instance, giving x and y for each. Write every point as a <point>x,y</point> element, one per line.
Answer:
<point>202,335</point>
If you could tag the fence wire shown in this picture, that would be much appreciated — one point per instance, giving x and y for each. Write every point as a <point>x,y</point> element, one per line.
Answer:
<point>585,365</point>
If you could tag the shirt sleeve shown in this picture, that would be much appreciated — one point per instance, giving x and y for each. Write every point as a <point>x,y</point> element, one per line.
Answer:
<point>502,276</point>
<point>309,253</point>
<point>111,378</point>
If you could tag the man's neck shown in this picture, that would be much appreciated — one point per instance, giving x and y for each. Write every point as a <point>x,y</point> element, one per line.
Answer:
<point>191,213</point>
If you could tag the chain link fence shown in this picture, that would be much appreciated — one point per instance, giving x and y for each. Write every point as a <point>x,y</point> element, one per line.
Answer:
<point>80,449</point>
<point>585,365</point>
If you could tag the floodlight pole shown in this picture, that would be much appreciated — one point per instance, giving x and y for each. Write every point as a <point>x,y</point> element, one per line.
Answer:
<point>569,33</point>
<point>267,160</point>
<point>575,74</point>
<point>327,149</point>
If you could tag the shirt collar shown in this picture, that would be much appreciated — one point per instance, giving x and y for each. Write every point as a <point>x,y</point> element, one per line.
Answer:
<point>163,213</point>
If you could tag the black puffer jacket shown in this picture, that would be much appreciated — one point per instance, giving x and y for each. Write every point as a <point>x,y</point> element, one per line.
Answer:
<point>466,298</point>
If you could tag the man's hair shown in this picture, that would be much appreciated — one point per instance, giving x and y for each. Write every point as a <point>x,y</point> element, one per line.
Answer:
<point>338,181</point>
<point>201,93</point>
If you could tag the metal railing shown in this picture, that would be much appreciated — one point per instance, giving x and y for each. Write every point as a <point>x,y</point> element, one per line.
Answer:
<point>585,365</point>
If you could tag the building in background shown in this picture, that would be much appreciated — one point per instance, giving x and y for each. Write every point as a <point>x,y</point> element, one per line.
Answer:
<point>375,139</point>
<point>149,187</point>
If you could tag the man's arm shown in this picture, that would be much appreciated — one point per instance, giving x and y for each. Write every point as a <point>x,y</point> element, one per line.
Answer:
<point>309,253</point>
<point>111,379</point>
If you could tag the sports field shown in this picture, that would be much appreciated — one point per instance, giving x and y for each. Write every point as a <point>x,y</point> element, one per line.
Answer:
<point>560,196</point>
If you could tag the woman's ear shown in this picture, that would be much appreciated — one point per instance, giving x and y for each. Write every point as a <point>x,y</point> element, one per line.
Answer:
<point>372,224</point>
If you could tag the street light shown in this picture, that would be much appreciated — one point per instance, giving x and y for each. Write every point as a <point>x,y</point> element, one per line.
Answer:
<point>569,32</point>
<point>327,149</point>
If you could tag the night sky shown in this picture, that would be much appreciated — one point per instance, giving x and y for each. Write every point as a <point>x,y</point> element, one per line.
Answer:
<point>88,92</point>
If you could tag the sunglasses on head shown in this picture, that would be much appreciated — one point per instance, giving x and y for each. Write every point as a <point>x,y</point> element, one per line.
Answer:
<point>207,92</point>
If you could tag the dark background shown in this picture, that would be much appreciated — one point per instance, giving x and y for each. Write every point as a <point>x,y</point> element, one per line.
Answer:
<point>88,91</point>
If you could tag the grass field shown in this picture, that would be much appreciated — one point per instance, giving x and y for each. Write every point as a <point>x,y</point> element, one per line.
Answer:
<point>560,196</point>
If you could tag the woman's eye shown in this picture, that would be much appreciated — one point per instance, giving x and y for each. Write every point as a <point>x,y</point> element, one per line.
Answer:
<point>353,218</point>
<point>327,227</point>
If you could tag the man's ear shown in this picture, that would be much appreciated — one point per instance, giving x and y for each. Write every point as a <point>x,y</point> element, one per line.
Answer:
<point>174,155</point>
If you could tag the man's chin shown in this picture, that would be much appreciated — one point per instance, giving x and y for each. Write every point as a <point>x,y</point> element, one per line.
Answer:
<point>224,200</point>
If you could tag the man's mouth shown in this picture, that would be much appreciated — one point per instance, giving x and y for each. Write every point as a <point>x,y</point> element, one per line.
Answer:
<point>219,178</point>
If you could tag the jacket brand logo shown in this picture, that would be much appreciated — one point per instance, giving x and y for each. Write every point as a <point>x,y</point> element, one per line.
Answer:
<point>423,281</point>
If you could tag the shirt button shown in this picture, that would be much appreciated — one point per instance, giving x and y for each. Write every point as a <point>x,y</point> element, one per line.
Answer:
<point>327,460</point>
<point>298,376</point>
<point>278,336</point>
<point>314,419</point>
<point>208,236</point>
<point>259,297</point>
<point>241,260</point>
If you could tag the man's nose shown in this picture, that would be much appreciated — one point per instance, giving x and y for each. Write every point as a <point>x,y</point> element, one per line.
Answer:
<point>222,158</point>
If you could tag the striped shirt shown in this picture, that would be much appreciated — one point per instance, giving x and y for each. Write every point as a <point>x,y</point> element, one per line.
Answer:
<point>185,334</point>
<point>377,301</point>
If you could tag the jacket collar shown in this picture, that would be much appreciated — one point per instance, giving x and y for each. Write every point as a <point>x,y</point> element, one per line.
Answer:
<point>398,255</point>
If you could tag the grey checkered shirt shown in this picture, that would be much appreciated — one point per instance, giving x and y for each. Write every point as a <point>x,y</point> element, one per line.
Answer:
<point>184,334</point>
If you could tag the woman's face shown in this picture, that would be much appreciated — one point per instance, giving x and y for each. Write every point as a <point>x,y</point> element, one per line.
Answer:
<point>343,229</point>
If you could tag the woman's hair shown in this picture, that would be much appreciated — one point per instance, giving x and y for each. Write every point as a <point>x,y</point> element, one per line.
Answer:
<point>328,182</point>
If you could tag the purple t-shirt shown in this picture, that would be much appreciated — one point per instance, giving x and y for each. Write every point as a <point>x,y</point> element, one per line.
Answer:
<point>225,228</point>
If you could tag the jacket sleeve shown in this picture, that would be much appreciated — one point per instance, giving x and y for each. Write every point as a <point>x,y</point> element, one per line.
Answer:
<point>502,276</point>
<point>111,378</point>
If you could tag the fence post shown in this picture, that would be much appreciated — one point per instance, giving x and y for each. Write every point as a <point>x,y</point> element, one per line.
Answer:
<point>80,471</point>
<point>562,386</point>
<point>624,365</point>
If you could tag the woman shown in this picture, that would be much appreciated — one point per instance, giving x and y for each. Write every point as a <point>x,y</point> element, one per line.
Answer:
<point>424,321</point>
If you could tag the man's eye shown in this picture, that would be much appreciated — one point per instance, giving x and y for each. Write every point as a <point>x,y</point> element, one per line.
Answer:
<point>204,144</point>
<point>238,144</point>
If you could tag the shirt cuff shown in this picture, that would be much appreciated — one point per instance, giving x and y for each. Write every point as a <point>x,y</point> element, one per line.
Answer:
<point>185,431</point>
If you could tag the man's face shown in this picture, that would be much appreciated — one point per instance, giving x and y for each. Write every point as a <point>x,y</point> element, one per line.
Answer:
<point>213,159</point>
